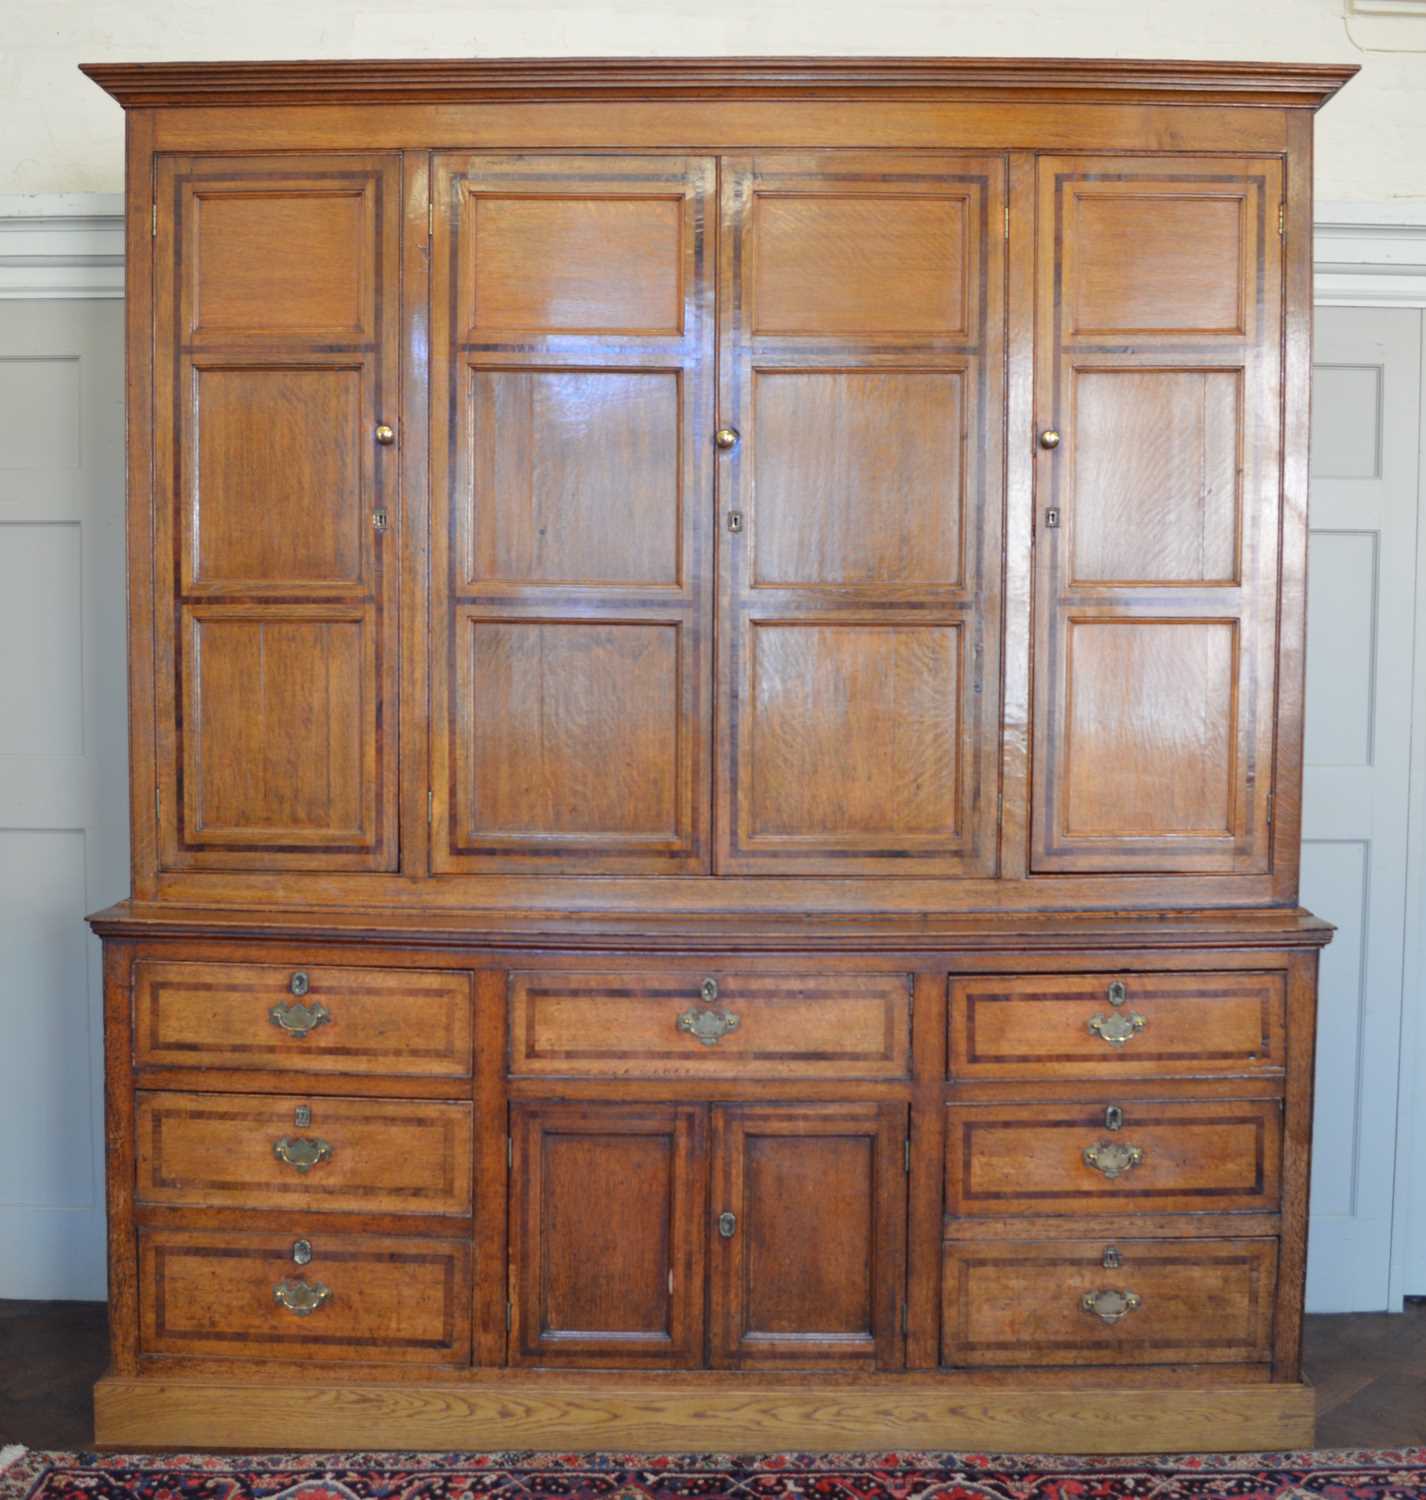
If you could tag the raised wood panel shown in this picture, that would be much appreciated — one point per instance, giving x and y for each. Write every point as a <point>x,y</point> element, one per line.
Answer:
<point>862,339</point>
<point>1013,1160</point>
<point>400,1301</point>
<point>1022,1303</point>
<point>385,1156</point>
<point>576,478</point>
<point>1150,729</point>
<point>1172,256</point>
<point>276,349</point>
<point>569,732</point>
<point>607,1234</point>
<point>572,361</point>
<point>1159,364</point>
<point>813,1271</point>
<point>548,263</point>
<point>1155,494</point>
<point>627,1025</point>
<point>276,475</point>
<point>852,735</point>
<point>290,251</point>
<point>403,1022</point>
<point>1181,1025</point>
<point>859,477</point>
<point>281,740</point>
<point>833,263</point>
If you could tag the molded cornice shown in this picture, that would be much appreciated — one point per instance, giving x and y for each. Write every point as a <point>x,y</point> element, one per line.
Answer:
<point>476,80</point>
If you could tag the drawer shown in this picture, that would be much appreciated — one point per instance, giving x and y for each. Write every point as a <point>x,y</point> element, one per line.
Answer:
<point>1067,1302</point>
<point>694,1024</point>
<point>359,1297</point>
<point>1203,1156</point>
<point>410,1022</point>
<point>1116,1025</point>
<point>355,1155</point>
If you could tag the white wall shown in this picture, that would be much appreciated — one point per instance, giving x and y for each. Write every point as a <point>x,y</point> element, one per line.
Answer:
<point>58,133</point>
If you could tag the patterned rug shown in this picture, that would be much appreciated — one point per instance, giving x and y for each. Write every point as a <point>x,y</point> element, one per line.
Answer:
<point>1391,1474</point>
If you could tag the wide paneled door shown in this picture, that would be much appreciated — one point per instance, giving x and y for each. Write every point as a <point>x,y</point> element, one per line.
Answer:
<point>277,286</point>
<point>861,376</point>
<point>1158,376</point>
<point>572,418</point>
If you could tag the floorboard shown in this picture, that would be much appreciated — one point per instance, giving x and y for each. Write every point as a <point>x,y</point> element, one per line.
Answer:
<point>1369,1370</point>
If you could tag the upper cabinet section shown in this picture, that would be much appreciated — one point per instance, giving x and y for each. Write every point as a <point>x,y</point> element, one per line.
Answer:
<point>1158,395</point>
<point>860,499</point>
<point>572,379</point>
<point>275,353</point>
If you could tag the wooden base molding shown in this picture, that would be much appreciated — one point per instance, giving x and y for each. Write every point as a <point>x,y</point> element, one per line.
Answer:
<point>685,1415</point>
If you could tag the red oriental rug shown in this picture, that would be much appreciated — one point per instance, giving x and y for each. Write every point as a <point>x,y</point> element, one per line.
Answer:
<point>1390,1474</point>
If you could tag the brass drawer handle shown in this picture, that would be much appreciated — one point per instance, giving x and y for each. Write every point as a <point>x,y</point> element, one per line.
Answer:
<point>709,1026</point>
<point>1113,1158</point>
<point>301,1296</point>
<point>299,1020</point>
<point>1118,1028</point>
<point>304,1152</point>
<point>1110,1305</point>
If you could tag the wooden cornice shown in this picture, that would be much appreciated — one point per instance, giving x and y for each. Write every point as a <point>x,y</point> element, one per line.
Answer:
<point>169,85</point>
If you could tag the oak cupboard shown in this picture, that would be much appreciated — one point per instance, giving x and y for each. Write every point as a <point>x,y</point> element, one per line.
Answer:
<point>716,704</point>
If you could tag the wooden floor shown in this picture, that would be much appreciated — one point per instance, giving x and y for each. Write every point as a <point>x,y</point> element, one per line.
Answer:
<point>1369,1370</point>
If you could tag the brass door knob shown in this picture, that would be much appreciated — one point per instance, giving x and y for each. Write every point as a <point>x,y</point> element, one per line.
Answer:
<point>726,437</point>
<point>385,435</point>
<point>1049,438</point>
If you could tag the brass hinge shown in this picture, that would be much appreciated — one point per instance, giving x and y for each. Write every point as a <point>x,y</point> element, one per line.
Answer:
<point>509,1150</point>
<point>1270,808</point>
<point>908,1153</point>
<point>670,1281</point>
<point>1007,221</point>
<point>905,1321</point>
<point>153,230</point>
<point>158,802</point>
<point>1282,218</point>
<point>509,1315</point>
<point>430,808</point>
<point>430,219</point>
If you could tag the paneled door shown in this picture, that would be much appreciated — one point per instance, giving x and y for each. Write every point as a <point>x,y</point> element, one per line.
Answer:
<point>859,516</point>
<point>571,470</point>
<point>607,1234</point>
<point>275,451</point>
<point>807,1262</point>
<point>1158,373</point>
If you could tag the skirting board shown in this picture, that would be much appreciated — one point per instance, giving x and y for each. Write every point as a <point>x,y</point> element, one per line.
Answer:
<point>687,1416</point>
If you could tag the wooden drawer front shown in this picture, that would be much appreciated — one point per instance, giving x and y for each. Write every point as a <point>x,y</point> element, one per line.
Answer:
<point>1213,1156</point>
<point>1194,1301</point>
<point>1163,1025</point>
<point>385,1156</point>
<point>385,1021</point>
<point>389,1299</point>
<point>757,1025</point>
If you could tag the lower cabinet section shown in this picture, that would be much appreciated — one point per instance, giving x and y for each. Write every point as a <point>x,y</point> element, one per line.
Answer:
<point>624,1225</point>
<point>332,1297</point>
<point>1080,1302</point>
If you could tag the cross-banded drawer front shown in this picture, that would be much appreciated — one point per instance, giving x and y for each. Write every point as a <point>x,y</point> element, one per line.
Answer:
<point>1216,1155</point>
<point>316,1019</point>
<point>353,1155</point>
<point>1085,1302</point>
<point>1116,1025</point>
<point>326,1297</point>
<point>701,1023</point>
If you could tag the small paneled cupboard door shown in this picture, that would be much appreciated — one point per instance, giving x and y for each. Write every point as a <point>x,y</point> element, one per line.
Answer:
<point>572,385</point>
<point>859,517</point>
<point>607,1234</point>
<point>1158,378</point>
<point>807,1265</point>
<point>277,283</point>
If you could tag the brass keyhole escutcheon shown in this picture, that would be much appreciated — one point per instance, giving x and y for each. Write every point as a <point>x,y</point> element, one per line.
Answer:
<point>727,1224</point>
<point>302,1252</point>
<point>726,438</point>
<point>1049,438</point>
<point>1113,1118</point>
<point>299,984</point>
